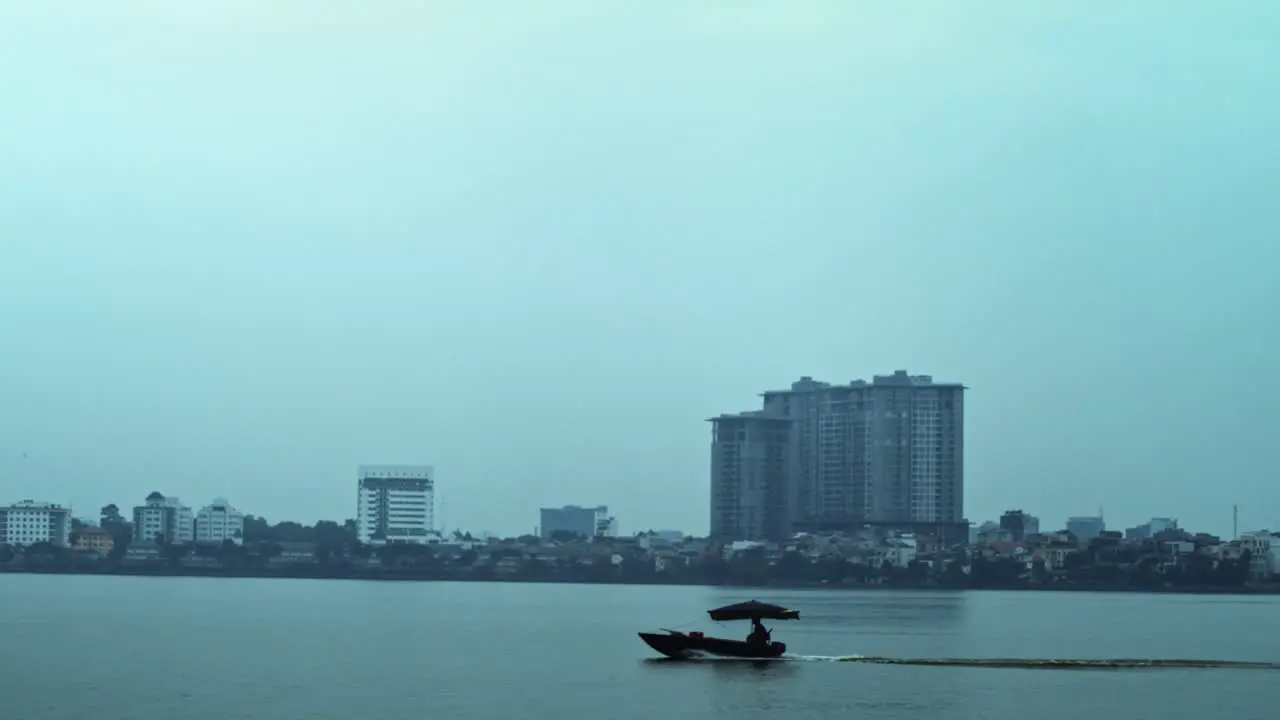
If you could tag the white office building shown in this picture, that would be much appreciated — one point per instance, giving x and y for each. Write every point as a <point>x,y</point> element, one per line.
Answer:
<point>218,522</point>
<point>29,522</point>
<point>163,519</point>
<point>396,504</point>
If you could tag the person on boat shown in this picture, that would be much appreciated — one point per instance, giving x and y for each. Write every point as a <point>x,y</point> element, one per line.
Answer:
<point>759,633</point>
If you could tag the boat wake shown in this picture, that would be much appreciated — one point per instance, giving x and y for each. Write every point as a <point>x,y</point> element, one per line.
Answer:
<point>1046,663</point>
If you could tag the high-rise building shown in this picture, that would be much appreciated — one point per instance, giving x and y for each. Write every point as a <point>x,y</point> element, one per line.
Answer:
<point>396,504</point>
<point>751,496</point>
<point>29,522</point>
<point>887,452</point>
<point>585,522</point>
<point>218,522</point>
<point>163,519</point>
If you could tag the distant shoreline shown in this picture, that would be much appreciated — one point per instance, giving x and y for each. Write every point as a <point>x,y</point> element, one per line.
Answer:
<point>385,576</point>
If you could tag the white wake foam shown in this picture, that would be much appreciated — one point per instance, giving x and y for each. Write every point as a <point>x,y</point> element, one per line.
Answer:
<point>821,658</point>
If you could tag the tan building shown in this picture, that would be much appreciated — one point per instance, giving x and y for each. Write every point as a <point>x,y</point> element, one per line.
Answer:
<point>95,539</point>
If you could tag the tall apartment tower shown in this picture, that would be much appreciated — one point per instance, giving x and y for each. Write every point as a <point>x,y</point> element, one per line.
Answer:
<point>396,504</point>
<point>888,452</point>
<point>750,492</point>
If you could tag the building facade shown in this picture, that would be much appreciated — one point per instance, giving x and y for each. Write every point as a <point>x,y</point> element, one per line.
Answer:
<point>218,522</point>
<point>751,494</point>
<point>28,522</point>
<point>396,504</point>
<point>1263,547</point>
<point>586,522</point>
<point>1149,529</point>
<point>1086,528</point>
<point>886,452</point>
<point>161,519</point>
<point>1019,525</point>
<point>94,539</point>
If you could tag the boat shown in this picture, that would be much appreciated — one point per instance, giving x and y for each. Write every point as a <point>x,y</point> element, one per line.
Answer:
<point>689,645</point>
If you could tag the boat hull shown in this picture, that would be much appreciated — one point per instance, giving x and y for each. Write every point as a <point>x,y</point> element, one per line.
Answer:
<point>686,647</point>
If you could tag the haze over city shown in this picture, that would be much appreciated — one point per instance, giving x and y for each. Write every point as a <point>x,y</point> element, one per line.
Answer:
<point>246,248</point>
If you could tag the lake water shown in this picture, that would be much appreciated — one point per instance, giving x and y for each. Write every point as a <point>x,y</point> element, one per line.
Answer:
<point>118,648</point>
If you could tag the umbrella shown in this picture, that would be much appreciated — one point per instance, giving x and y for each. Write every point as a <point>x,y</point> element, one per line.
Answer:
<point>753,609</point>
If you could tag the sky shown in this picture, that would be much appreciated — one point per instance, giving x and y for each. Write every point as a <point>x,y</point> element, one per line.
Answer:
<point>245,247</point>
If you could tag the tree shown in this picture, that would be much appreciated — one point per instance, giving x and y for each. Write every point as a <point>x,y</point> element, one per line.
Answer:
<point>257,529</point>
<point>121,530</point>
<point>232,554</point>
<point>175,553</point>
<point>918,571</point>
<point>110,515</point>
<point>289,531</point>
<point>954,575</point>
<point>749,567</point>
<point>794,567</point>
<point>264,552</point>
<point>46,554</point>
<point>330,534</point>
<point>1075,560</point>
<point>1197,570</point>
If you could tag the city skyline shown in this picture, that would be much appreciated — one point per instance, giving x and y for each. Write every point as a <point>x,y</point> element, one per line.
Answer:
<point>1243,518</point>
<point>816,473</point>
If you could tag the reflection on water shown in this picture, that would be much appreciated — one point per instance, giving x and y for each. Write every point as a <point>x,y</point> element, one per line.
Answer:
<point>729,667</point>
<point>933,611</point>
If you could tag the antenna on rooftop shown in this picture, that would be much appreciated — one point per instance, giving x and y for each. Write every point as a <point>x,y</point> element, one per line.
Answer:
<point>1235,522</point>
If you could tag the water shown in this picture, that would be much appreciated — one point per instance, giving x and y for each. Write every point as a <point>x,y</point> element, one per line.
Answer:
<point>116,648</point>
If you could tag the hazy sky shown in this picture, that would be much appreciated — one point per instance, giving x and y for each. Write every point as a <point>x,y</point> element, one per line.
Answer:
<point>247,246</point>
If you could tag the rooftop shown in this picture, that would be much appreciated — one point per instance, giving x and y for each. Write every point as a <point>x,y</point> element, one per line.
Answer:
<point>899,378</point>
<point>32,505</point>
<point>750,415</point>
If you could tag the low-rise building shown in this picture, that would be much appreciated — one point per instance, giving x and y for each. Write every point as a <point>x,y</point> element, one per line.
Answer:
<point>93,539</point>
<point>1264,548</point>
<point>898,551</point>
<point>143,554</point>
<point>584,522</point>
<point>294,553</point>
<point>28,522</point>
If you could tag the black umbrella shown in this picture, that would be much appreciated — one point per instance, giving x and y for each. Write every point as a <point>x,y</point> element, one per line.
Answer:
<point>753,609</point>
